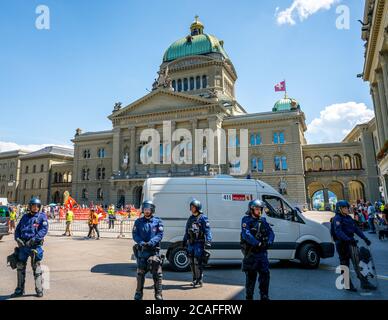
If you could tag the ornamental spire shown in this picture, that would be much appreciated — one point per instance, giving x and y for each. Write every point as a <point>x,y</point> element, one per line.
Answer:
<point>196,27</point>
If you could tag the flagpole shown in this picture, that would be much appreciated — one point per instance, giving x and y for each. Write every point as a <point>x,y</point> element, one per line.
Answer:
<point>285,87</point>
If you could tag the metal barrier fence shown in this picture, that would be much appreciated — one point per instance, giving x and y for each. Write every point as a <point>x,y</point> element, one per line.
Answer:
<point>123,228</point>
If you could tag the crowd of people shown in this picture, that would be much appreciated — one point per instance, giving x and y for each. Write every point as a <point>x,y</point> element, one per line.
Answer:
<point>372,217</point>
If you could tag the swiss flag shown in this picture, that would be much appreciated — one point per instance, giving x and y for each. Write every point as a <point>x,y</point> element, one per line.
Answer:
<point>280,86</point>
<point>70,203</point>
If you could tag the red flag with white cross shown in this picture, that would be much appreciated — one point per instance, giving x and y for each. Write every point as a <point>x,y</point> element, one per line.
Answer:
<point>281,86</point>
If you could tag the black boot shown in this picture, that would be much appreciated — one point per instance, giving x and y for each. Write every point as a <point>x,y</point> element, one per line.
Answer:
<point>264,285</point>
<point>250,281</point>
<point>158,287</point>
<point>366,285</point>
<point>140,286</point>
<point>18,293</point>
<point>21,275</point>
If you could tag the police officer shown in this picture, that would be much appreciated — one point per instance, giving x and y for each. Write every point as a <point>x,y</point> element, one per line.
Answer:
<point>148,233</point>
<point>256,237</point>
<point>29,235</point>
<point>343,230</point>
<point>197,241</point>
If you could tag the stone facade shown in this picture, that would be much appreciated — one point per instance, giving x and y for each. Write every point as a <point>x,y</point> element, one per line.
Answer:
<point>375,35</point>
<point>36,172</point>
<point>10,174</point>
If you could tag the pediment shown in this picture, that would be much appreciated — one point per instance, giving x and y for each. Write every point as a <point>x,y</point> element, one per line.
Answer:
<point>161,101</point>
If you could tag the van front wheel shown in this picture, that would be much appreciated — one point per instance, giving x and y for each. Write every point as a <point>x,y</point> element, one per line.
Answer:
<point>309,256</point>
<point>179,260</point>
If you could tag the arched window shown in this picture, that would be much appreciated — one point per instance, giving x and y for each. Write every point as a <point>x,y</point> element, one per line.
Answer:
<point>41,184</point>
<point>198,82</point>
<point>55,177</point>
<point>34,169</point>
<point>280,163</point>
<point>60,178</point>
<point>100,173</point>
<point>25,184</point>
<point>2,190</point>
<point>204,81</point>
<point>32,184</point>
<point>192,84</point>
<point>357,162</point>
<point>337,163</point>
<point>317,164</point>
<point>179,85</point>
<point>326,163</point>
<point>309,164</point>
<point>41,167</point>
<point>26,169</point>
<point>347,162</point>
<point>11,178</point>
<point>85,174</point>
<point>65,177</point>
<point>69,177</point>
<point>87,154</point>
<point>174,84</point>
<point>185,84</point>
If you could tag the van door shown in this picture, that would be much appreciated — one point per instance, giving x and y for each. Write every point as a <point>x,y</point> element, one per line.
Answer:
<point>227,201</point>
<point>280,215</point>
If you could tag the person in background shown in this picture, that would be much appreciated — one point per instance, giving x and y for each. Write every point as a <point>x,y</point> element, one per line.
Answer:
<point>12,219</point>
<point>385,214</point>
<point>93,223</point>
<point>371,217</point>
<point>111,216</point>
<point>69,221</point>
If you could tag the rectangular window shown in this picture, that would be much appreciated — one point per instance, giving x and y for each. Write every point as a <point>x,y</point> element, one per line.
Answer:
<point>275,138</point>
<point>260,165</point>
<point>277,163</point>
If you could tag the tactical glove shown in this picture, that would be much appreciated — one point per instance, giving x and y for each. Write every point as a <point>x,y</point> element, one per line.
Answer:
<point>30,243</point>
<point>368,242</point>
<point>20,243</point>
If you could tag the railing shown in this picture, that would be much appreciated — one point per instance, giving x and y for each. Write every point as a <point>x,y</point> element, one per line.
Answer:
<point>122,228</point>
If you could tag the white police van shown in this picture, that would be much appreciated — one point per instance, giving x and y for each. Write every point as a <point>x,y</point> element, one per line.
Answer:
<point>225,201</point>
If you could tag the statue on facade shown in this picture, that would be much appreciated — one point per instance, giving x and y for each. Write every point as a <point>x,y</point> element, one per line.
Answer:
<point>163,81</point>
<point>117,106</point>
<point>283,187</point>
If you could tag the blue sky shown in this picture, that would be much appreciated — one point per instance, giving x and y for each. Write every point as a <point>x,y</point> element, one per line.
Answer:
<point>99,52</point>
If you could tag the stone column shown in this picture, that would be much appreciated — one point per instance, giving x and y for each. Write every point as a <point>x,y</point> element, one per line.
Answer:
<point>173,144</point>
<point>376,104</point>
<point>116,150</point>
<point>326,199</point>
<point>383,104</point>
<point>132,150</point>
<point>194,125</point>
<point>384,70</point>
<point>214,124</point>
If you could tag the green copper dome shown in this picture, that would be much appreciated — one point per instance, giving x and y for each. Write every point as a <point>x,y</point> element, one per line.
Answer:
<point>197,43</point>
<point>286,104</point>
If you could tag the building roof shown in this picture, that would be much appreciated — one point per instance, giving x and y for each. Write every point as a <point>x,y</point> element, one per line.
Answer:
<point>50,151</point>
<point>286,104</point>
<point>13,153</point>
<point>197,43</point>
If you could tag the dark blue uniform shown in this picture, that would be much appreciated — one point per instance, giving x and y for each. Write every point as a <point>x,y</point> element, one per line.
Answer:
<point>31,230</point>
<point>344,228</point>
<point>148,234</point>
<point>197,235</point>
<point>256,236</point>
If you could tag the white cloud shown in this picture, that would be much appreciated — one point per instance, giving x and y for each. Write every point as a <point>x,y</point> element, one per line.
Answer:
<point>10,146</point>
<point>302,9</point>
<point>336,121</point>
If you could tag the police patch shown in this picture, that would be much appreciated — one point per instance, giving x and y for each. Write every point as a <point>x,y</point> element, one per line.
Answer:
<point>244,225</point>
<point>160,228</point>
<point>44,223</point>
<point>207,224</point>
<point>338,223</point>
